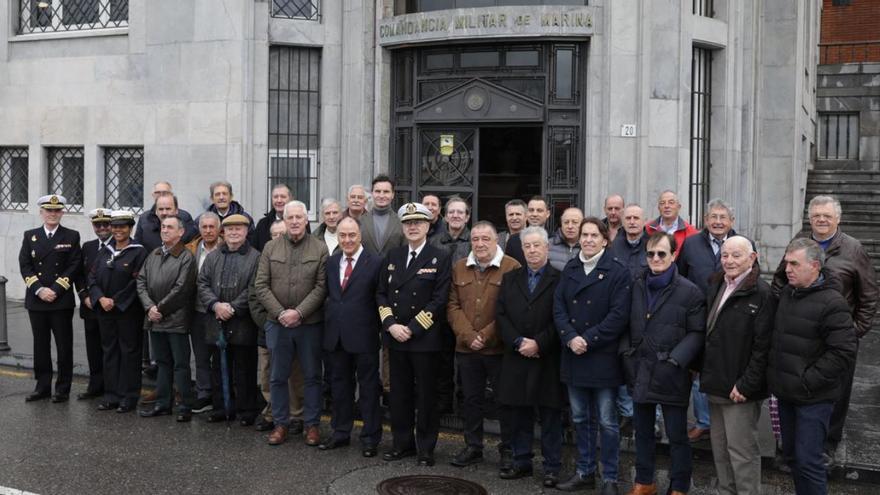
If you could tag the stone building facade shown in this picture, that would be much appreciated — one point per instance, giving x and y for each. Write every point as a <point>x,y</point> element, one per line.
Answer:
<point>481,98</point>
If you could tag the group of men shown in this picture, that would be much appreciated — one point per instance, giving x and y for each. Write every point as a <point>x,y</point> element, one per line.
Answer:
<point>409,306</point>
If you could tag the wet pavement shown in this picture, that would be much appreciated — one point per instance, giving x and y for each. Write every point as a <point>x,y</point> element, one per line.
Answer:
<point>73,448</point>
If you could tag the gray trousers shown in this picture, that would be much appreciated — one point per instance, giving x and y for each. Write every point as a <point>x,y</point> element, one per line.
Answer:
<point>171,352</point>
<point>735,447</point>
<point>202,355</point>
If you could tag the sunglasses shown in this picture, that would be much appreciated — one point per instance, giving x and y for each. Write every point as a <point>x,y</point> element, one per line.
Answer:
<point>657,254</point>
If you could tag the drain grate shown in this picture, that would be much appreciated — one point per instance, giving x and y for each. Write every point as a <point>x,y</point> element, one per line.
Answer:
<point>428,484</point>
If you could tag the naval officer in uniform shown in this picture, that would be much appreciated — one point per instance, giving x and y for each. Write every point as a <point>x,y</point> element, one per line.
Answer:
<point>413,290</point>
<point>49,261</point>
<point>101,225</point>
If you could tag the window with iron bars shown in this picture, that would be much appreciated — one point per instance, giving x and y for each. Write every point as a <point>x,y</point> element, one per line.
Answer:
<point>66,176</point>
<point>14,178</point>
<point>701,108</point>
<point>296,9</point>
<point>294,122</point>
<point>124,179</point>
<point>838,136</point>
<point>46,16</point>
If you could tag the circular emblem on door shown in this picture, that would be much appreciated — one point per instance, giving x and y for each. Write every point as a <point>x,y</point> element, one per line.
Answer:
<point>476,100</point>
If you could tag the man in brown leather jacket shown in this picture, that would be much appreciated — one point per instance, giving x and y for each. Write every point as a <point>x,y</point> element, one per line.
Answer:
<point>846,260</point>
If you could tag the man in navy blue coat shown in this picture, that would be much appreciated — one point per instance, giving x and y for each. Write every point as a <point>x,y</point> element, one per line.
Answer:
<point>351,337</point>
<point>590,309</point>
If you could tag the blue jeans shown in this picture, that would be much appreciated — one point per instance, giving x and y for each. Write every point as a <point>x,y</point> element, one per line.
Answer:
<point>584,401</point>
<point>286,344</point>
<point>675,420</point>
<point>624,402</point>
<point>522,420</point>
<point>701,406</point>
<point>804,429</point>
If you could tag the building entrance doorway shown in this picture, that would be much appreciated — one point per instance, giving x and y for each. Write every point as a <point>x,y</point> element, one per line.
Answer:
<point>487,166</point>
<point>489,123</point>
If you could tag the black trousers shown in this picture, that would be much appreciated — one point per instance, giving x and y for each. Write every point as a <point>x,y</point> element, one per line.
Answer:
<point>364,366</point>
<point>121,342</point>
<point>414,400</point>
<point>841,408</point>
<point>171,351</point>
<point>446,373</point>
<point>45,324</point>
<point>476,371</point>
<point>95,355</point>
<point>241,363</point>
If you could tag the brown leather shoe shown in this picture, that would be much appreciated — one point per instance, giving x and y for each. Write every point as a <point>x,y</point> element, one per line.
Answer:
<point>313,436</point>
<point>278,435</point>
<point>676,492</point>
<point>640,489</point>
<point>697,434</point>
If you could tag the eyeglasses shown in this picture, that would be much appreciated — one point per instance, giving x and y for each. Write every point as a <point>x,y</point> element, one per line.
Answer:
<point>657,254</point>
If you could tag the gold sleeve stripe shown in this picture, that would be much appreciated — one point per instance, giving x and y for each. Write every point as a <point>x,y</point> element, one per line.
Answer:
<point>385,312</point>
<point>424,319</point>
<point>29,281</point>
<point>63,282</point>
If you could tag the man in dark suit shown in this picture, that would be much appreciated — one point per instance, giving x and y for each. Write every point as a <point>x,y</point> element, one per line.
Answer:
<point>530,367</point>
<point>412,295</point>
<point>101,224</point>
<point>351,337</point>
<point>49,261</point>
<point>537,215</point>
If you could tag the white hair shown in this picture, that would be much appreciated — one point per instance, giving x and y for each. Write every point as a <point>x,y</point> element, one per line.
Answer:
<point>534,230</point>
<point>295,204</point>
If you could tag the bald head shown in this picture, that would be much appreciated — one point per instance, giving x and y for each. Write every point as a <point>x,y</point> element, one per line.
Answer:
<point>737,256</point>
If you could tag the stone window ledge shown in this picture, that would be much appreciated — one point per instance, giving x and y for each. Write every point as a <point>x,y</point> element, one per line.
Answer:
<point>85,33</point>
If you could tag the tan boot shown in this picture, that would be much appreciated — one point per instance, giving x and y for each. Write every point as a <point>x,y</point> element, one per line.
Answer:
<point>640,489</point>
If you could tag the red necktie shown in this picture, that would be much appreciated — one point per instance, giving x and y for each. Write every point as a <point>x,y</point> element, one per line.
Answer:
<point>347,274</point>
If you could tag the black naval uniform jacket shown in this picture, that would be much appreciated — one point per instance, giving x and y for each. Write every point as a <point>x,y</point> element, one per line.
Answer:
<point>89,256</point>
<point>114,275</point>
<point>52,263</point>
<point>415,296</point>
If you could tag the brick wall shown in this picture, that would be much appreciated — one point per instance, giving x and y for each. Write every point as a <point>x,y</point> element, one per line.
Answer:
<point>850,33</point>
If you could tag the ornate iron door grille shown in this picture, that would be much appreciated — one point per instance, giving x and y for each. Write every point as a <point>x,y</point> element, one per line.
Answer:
<point>66,176</point>
<point>124,179</point>
<point>14,179</point>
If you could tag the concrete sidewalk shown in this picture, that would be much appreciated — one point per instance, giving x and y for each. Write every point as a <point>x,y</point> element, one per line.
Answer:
<point>859,452</point>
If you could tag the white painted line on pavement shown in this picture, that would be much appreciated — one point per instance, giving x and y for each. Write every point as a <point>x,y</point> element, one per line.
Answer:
<point>5,490</point>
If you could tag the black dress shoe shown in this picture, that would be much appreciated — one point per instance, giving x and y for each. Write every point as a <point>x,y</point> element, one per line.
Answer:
<point>108,406</point>
<point>578,482</point>
<point>296,427</point>
<point>334,443</point>
<point>550,480</point>
<point>515,473</point>
<point>396,455</point>
<point>467,456</point>
<point>125,408</point>
<point>425,461</point>
<point>37,396</point>
<point>247,421</point>
<point>263,425</point>
<point>217,417</point>
<point>609,488</point>
<point>89,395</point>
<point>184,417</point>
<point>156,411</point>
<point>369,452</point>
<point>57,398</point>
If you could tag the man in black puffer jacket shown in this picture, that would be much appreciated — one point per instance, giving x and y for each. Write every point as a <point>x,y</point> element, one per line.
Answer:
<point>734,373</point>
<point>813,345</point>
